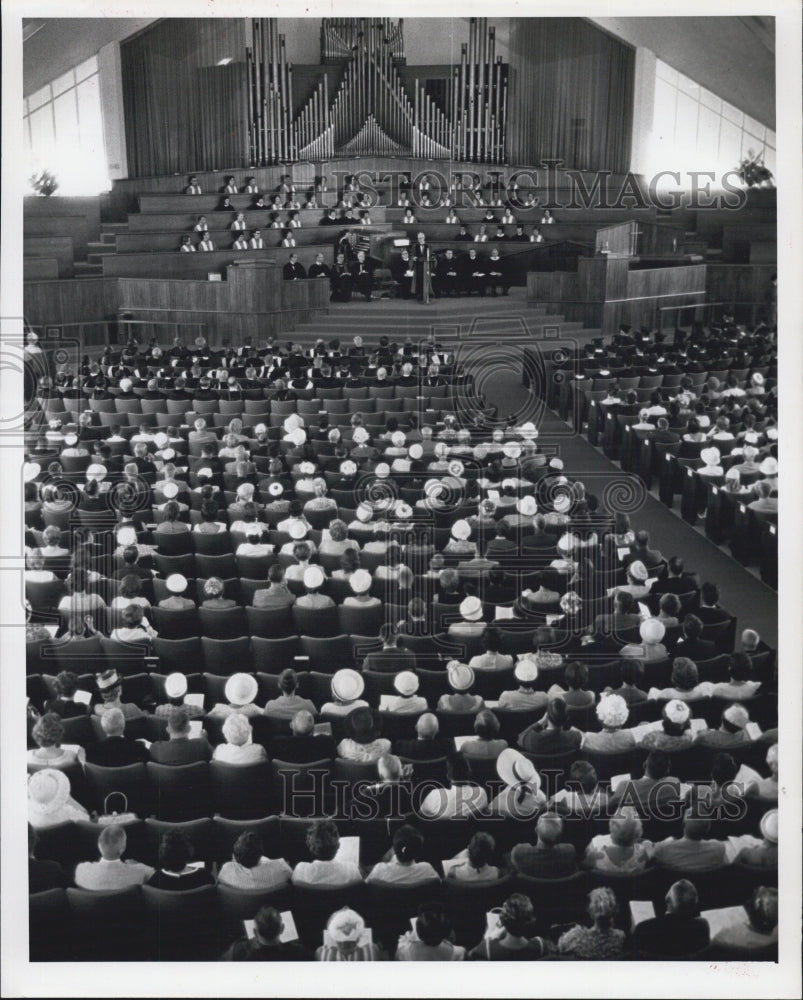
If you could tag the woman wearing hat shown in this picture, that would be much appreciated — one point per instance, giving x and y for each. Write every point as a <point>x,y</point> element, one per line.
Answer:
<point>176,585</point>
<point>175,689</point>
<point>238,748</point>
<point>408,702</point>
<point>347,687</point>
<point>652,631</point>
<point>461,680</point>
<point>240,691</point>
<point>472,624</point>
<point>362,741</point>
<point>511,940</point>
<point>110,689</point>
<point>762,853</point>
<point>524,698</point>
<point>522,797</point>
<point>50,802</point>
<point>360,582</point>
<point>636,585</point>
<point>346,940</point>
<point>314,578</point>
<point>460,799</point>
<point>675,732</point>
<point>459,543</point>
<point>612,712</point>
<point>622,850</point>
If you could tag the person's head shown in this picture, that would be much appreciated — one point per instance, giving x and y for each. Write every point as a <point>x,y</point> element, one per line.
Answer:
<point>237,729</point>
<point>695,826</point>
<point>302,552</point>
<point>288,681</point>
<point>66,684</point>
<point>709,594</point>
<point>517,915</point>
<point>624,602</point>
<point>549,829</point>
<point>388,635</point>
<point>492,639</point>
<point>111,842</point>
<point>302,723</point>
<point>682,899</point>
<point>481,849</point>
<point>213,587</point>
<point>178,722</point>
<point>432,924</point>
<point>557,714</point>
<point>132,615</point>
<point>49,730</point>
<point>576,675</point>
<point>625,829</point>
<point>675,565</point>
<point>657,765</point>
<point>685,675</point>
<point>486,725</point>
<point>408,844</point>
<point>602,907</point>
<point>750,640</point>
<point>669,605</point>
<point>692,627</point>
<point>247,849</point>
<point>338,530</point>
<point>389,767</point>
<point>268,924</point>
<point>762,909</point>
<point>426,727</point>
<point>113,722</point>
<point>723,769</point>
<point>583,776</point>
<point>175,851</point>
<point>323,840</point>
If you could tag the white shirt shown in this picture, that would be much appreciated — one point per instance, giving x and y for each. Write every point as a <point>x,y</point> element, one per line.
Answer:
<point>326,873</point>
<point>103,874</point>
<point>267,874</point>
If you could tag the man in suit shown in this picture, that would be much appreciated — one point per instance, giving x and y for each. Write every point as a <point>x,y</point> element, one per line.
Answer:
<point>473,273</point>
<point>692,851</point>
<point>631,671</point>
<point>709,612</point>
<point>362,275</point>
<point>292,270</point>
<point>178,748</point>
<point>427,745</point>
<point>116,750</point>
<point>303,746</point>
<point>691,644</point>
<point>111,872</point>
<point>641,550</point>
<point>276,595</point>
<point>678,581</point>
<point>390,659</point>
<point>547,858</point>
<point>446,274</point>
<point>680,931</point>
<point>623,617</point>
<point>43,875</point>
<point>319,269</point>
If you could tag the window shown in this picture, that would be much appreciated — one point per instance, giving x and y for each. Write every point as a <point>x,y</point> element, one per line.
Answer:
<point>694,129</point>
<point>63,131</point>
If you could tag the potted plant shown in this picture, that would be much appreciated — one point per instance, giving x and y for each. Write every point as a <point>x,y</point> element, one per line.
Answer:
<point>753,173</point>
<point>44,184</point>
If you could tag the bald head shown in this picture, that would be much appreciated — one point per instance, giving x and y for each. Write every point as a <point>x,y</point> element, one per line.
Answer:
<point>750,640</point>
<point>427,726</point>
<point>302,723</point>
<point>549,828</point>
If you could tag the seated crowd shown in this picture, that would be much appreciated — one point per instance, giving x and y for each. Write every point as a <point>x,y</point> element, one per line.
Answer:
<point>490,655</point>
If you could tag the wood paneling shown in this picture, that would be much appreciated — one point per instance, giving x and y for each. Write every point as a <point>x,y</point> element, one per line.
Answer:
<point>223,239</point>
<point>179,220</point>
<point>58,247</point>
<point>54,216</point>
<point>39,268</point>
<point>58,302</point>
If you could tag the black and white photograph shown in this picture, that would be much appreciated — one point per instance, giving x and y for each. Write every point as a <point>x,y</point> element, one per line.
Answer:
<point>394,566</point>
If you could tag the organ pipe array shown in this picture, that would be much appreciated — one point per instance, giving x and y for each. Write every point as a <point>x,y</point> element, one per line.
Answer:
<point>370,112</point>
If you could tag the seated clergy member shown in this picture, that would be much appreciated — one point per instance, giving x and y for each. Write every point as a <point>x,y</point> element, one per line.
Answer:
<point>193,187</point>
<point>498,273</point>
<point>318,269</point>
<point>206,243</point>
<point>111,872</point>
<point>256,242</point>
<point>186,244</point>
<point>292,270</point>
<point>362,275</point>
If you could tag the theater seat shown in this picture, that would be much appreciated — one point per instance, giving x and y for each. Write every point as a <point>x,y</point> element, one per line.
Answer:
<point>107,926</point>
<point>180,792</point>
<point>241,792</point>
<point>183,926</point>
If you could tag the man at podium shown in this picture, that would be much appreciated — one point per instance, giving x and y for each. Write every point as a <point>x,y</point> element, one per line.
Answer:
<point>422,280</point>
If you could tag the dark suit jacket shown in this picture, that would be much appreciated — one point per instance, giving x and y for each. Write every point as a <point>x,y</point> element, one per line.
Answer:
<point>303,749</point>
<point>557,862</point>
<point>389,661</point>
<point>671,936</point>
<point>696,649</point>
<point>180,751</point>
<point>66,709</point>
<point>424,749</point>
<point>712,616</point>
<point>117,751</point>
<point>43,875</point>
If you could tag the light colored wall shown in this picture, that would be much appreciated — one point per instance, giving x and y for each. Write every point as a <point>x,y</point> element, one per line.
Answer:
<point>111,106</point>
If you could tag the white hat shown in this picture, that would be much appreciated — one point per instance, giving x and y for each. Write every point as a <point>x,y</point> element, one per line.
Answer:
<point>347,685</point>
<point>360,581</point>
<point>298,436</point>
<point>612,710</point>
<point>398,439</point>
<point>406,683</point>
<point>275,489</point>
<point>561,503</point>
<point>461,530</point>
<point>769,826</point>
<point>471,609</point>
<point>737,715</point>
<point>733,474</point>
<point>346,926</point>
<point>556,463</point>
<point>204,473</point>
<point>480,452</point>
<point>677,711</point>
<point>297,531</point>
<point>32,469</point>
<point>571,602</point>
<point>771,433</point>
<point>360,435</point>
<point>415,451</point>
<point>382,471</point>
<point>638,570</point>
<point>364,513</point>
<point>527,506</point>
<point>757,378</point>
<point>96,471</point>
<point>241,689</point>
<point>710,455</point>
<point>176,583</point>
<point>516,769</point>
<point>769,467</point>
<point>526,670</point>
<point>161,439</point>
<point>348,468</point>
<point>307,468</point>
<point>292,423</point>
<point>126,384</point>
<point>168,454</point>
<point>127,535</point>
<point>48,791</point>
<point>403,511</point>
<point>565,543</point>
<point>175,685</point>
<point>750,438</point>
<point>70,439</point>
<point>652,630</point>
<point>512,449</point>
<point>260,429</point>
<point>170,490</point>
<point>461,676</point>
<point>313,577</point>
<point>456,468</point>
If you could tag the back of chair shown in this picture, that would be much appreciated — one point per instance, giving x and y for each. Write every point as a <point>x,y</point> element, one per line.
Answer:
<point>109,926</point>
<point>180,792</point>
<point>170,915</point>
<point>199,832</point>
<point>241,792</point>
<point>49,939</point>
<point>301,790</point>
<point>312,907</point>
<point>131,780</point>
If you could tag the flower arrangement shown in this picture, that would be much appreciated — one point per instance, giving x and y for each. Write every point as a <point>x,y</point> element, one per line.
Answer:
<point>752,172</point>
<point>44,183</point>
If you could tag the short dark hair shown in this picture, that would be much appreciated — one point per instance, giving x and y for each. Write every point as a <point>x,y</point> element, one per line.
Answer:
<point>558,713</point>
<point>724,768</point>
<point>432,924</point>
<point>67,683</point>
<point>632,669</point>
<point>492,639</point>
<point>675,565</point>
<point>576,675</point>
<point>481,850</point>
<point>583,774</point>
<point>408,843</point>
<point>323,840</point>
<point>247,849</point>
<point>741,667</point>
<point>709,592</point>
<point>692,627</point>
<point>275,573</point>
<point>657,764</point>
<point>517,915</point>
<point>486,725</point>
<point>268,923</point>
<point>288,681</point>
<point>175,850</point>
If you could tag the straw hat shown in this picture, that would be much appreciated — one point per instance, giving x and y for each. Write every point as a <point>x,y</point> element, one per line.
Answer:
<point>652,630</point>
<point>526,670</point>
<point>415,451</point>
<point>364,513</point>
<point>170,490</point>
<point>471,609</point>
<point>460,675</point>
<point>48,791</point>
<point>360,435</point>
<point>677,711</point>
<point>638,570</point>
<point>348,468</point>
<point>769,826</point>
<point>382,471</point>
<point>406,683</point>
<point>710,456</point>
<point>241,689</point>
<point>461,530</point>
<point>175,685</point>
<point>516,769</point>
<point>527,506</point>
<point>612,710</point>
<point>313,577</point>
<point>360,581</point>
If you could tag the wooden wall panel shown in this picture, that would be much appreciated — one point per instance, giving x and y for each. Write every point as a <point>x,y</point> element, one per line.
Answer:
<point>60,247</point>
<point>57,302</point>
<point>40,268</point>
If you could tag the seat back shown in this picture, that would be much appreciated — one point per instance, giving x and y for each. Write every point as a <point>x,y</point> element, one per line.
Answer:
<point>241,792</point>
<point>109,926</point>
<point>169,915</point>
<point>180,792</point>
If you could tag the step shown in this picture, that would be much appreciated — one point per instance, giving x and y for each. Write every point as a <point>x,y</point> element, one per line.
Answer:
<point>88,270</point>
